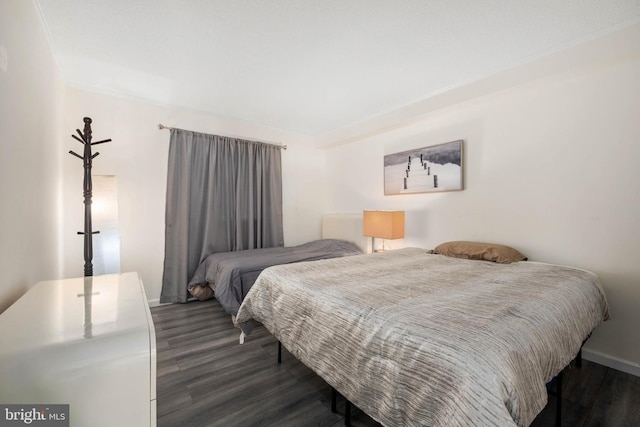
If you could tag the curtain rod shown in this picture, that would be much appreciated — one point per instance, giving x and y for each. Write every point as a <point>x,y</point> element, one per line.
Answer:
<point>284,147</point>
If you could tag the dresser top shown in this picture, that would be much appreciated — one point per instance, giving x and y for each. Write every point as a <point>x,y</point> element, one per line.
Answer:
<point>75,310</point>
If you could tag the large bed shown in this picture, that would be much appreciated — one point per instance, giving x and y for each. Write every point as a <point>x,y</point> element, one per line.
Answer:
<point>416,338</point>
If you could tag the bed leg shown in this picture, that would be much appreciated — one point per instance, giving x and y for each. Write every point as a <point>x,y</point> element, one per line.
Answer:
<point>334,399</point>
<point>579,358</point>
<point>579,355</point>
<point>347,412</point>
<point>279,352</point>
<point>559,400</point>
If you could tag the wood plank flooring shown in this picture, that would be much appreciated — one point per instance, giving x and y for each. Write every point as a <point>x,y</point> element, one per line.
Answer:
<point>205,378</point>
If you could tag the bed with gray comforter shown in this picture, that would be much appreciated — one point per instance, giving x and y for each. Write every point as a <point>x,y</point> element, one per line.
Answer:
<point>413,338</point>
<point>231,274</point>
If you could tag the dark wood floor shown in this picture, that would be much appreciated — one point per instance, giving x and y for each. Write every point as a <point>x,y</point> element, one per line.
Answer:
<point>205,378</point>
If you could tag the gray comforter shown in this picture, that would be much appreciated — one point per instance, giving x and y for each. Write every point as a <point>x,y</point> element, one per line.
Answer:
<point>419,339</point>
<point>231,274</point>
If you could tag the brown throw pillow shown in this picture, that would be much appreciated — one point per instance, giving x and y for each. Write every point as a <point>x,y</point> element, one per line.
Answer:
<point>202,292</point>
<point>482,251</point>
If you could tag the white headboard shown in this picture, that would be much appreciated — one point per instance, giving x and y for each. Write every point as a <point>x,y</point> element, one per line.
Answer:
<point>346,227</point>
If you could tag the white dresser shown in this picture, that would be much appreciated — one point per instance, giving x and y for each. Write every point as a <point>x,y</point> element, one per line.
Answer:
<point>87,342</point>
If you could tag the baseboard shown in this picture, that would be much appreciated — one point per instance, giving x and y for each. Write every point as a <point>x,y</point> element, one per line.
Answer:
<point>154,302</point>
<point>612,362</point>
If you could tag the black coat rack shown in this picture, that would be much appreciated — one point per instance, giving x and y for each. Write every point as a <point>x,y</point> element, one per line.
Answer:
<point>87,157</point>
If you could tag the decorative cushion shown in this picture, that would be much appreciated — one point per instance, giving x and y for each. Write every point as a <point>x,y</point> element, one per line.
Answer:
<point>203,292</point>
<point>483,251</point>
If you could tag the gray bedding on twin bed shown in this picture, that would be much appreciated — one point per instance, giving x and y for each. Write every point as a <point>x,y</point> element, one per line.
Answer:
<point>231,274</point>
<point>414,338</point>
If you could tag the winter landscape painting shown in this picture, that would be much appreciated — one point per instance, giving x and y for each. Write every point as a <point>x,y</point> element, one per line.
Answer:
<point>422,170</point>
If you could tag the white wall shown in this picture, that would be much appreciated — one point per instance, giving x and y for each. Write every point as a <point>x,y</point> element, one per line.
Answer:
<point>30,153</point>
<point>137,155</point>
<point>551,168</point>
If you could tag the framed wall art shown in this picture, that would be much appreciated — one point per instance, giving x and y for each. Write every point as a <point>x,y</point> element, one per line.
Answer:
<point>424,170</point>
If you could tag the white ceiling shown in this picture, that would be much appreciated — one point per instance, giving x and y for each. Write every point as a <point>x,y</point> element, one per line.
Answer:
<point>309,66</point>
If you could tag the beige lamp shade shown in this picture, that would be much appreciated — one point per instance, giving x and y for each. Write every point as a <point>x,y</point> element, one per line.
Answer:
<point>383,224</point>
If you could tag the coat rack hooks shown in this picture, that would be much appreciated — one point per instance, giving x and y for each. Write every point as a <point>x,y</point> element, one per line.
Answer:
<point>87,157</point>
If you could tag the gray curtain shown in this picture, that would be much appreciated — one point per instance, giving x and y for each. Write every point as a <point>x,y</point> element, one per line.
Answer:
<point>223,194</point>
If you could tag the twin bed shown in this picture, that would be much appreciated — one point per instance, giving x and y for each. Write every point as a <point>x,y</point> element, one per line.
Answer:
<point>413,337</point>
<point>230,275</point>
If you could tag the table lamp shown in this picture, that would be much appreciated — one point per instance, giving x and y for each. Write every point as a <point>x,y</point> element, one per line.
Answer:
<point>383,225</point>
